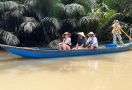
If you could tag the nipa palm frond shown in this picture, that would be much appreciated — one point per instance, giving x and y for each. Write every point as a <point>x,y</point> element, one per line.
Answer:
<point>60,6</point>
<point>1,6</point>
<point>11,5</point>
<point>60,9</point>
<point>9,38</point>
<point>74,10</point>
<point>31,7</point>
<point>29,19</point>
<point>25,9</point>
<point>29,27</point>
<point>6,16</point>
<point>17,14</point>
<point>30,3</point>
<point>71,10</point>
<point>87,21</point>
<point>50,22</point>
<point>109,13</point>
<point>72,22</point>
<point>14,17</point>
<point>50,27</point>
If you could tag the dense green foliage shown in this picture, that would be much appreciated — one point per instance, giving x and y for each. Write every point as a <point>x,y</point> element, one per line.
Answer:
<point>38,22</point>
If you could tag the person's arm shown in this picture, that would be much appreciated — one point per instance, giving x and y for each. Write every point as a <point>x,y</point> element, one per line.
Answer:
<point>94,41</point>
<point>82,45</point>
<point>87,41</point>
<point>67,41</point>
<point>62,41</point>
<point>113,25</point>
<point>77,46</point>
<point>77,43</point>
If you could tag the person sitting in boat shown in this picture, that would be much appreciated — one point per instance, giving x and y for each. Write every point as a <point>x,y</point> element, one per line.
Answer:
<point>81,42</point>
<point>92,41</point>
<point>66,44</point>
<point>116,31</point>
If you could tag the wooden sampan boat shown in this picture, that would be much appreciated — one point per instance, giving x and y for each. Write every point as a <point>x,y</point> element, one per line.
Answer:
<point>52,52</point>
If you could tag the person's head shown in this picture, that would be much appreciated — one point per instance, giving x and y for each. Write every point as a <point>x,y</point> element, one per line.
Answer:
<point>116,21</point>
<point>91,34</point>
<point>81,34</point>
<point>66,35</point>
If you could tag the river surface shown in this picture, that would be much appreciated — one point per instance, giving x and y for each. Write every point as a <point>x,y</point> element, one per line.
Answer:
<point>99,72</point>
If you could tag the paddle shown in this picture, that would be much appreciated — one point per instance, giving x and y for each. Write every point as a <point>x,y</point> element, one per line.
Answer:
<point>126,34</point>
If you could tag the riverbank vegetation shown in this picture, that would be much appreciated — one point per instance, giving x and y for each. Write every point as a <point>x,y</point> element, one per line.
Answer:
<point>39,22</point>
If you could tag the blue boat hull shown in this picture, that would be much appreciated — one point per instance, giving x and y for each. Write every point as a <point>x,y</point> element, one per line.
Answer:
<point>41,53</point>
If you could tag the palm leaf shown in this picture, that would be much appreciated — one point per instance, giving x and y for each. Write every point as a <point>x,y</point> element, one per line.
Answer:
<point>6,16</point>
<point>10,5</point>
<point>1,6</point>
<point>69,25</point>
<point>29,19</point>
<point>30,3</point>
<point>17,14</point>
<point>25,9</point>
<point>71,10</point>
<point>60,6</point>
<point>60,10</point>
<point>52,22</point>
<point>9,38</point>
<point>88,23</point>
<point>72,22</point>
<point>29,25</point>
<point>89,5</point>
<point>50,28</point>
<point>13,19</point>
<point>109,14</point>
<point>74,9</point>
<point>104,7</point>
<point>113,3</point>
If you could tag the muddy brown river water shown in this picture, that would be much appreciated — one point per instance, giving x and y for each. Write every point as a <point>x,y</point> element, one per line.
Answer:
<point>99,72</point>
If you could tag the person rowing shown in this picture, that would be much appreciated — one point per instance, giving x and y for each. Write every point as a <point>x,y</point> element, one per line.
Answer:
<point>116,31</point>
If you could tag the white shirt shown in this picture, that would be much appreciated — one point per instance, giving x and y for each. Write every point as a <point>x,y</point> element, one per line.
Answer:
<point>64,40</point>
<point>94,40</point>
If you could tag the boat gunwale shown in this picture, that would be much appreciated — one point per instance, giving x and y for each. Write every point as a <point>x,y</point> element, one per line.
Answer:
<point>60,51</point>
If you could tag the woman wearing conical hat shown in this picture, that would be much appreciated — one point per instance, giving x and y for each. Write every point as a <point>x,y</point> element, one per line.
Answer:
<point>81,41</point>
<point>116,31</point>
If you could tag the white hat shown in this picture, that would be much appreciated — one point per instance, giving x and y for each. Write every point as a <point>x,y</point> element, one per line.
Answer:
<point>81,33</point>
<point>90,33</point>
<point>63,35</point>
<point>116,21</point>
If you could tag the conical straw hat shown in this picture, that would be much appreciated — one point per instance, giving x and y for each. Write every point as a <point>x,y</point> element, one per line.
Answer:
<point>63,35</point>
<point>81,33</point>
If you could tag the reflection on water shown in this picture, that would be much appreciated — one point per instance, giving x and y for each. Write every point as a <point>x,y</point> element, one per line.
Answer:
<point>100,72</point>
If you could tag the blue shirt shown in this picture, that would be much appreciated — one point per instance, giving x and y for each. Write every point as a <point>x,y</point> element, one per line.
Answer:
<point>81,41</point>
